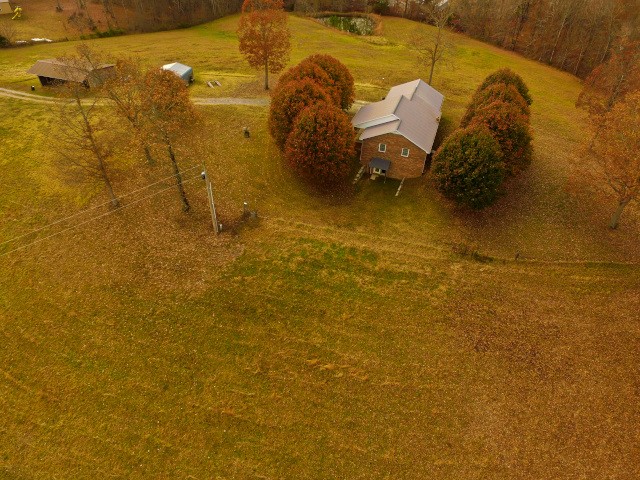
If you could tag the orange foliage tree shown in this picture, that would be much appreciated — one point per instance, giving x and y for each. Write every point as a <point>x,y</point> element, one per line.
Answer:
<point>312,71</point>
<point>612,80</point>
<point>168,116</point>
<point>508,77</point>
<point>264,36</point>
<point>510,127</point>
<point>320,148</point>
<point>497,91</point>
<point>288,101</point>
<point>340,75</point>
<point>616,162</point>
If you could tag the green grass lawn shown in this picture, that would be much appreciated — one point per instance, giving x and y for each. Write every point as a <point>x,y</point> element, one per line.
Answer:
<point>332,337</point>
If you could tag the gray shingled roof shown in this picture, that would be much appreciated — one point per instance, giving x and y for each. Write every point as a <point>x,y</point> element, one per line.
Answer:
<point>411,109</point>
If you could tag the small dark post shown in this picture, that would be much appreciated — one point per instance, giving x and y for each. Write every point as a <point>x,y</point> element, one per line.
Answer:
<point>33,88</point>
<point>246,132</point>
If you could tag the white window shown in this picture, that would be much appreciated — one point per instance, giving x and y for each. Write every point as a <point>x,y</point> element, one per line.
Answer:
<point>405,152</point>
<point>382,147</point>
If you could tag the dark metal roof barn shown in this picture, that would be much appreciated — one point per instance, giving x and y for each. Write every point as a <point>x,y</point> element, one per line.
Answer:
<point>53,71</point>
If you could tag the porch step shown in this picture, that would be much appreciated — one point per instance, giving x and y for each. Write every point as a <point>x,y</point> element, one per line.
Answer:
<point>358,175</point>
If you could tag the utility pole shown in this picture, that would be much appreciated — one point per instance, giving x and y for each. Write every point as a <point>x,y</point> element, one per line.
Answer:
<point>212,206</point>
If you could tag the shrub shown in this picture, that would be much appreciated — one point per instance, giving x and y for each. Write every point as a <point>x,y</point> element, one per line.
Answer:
<point>8,33</point>
<point>468,168</point>
<point>314,72</point>
<point>497,91</point>
<point>288,101</point>
<point>320,148</point>
<point>508,77</point>
<point>381,7</point>
<point>339,73</point>
<point>511,129</point>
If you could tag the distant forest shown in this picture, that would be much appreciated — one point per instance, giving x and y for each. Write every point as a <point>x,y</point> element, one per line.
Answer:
<point>573,35</point>
<point>149,15</point>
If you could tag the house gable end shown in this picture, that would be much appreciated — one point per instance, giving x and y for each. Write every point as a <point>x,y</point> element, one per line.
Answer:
<point>410,166</point>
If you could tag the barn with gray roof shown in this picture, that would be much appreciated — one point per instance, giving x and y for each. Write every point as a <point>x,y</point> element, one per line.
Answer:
<point>54,72</point>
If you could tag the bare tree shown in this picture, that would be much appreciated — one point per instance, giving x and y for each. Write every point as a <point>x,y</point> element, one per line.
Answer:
<point>8,32</point>
<point>82,138</point>
<point>574,35</point>
<point>610,82</point>
<point>85,135</point>
<point>433,45</point>
<point>126,89</point>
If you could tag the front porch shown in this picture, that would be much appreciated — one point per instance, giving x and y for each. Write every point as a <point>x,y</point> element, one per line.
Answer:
<point>378,167</point>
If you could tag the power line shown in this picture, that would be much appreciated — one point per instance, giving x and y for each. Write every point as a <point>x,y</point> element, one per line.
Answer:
<point>96,218</point>
<point>95,207</point>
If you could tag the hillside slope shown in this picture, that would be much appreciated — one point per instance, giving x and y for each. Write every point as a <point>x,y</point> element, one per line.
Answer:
<point>364,337</point>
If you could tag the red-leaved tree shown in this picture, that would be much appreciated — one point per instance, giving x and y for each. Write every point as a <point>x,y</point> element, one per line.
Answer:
<point>508,77</point>
<point>320,148</point>
<point>340,75</point>
<point>611,81</point>
<point>288,101</point>
<point>264,36</point>
<point>314,72</point>
<point>510,127</point>
<point>497,91</point>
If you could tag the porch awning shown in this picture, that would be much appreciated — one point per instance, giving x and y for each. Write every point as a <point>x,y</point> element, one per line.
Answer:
<point>380,163</point>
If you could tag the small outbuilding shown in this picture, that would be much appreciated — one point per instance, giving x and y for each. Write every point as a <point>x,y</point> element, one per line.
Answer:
<point>5,7</point>
<point>56,72</point>
<point>185,72</point>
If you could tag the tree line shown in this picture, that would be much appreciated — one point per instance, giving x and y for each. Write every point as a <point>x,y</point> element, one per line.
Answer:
<point>573,35</point>
<point>149,15</point>
<point>308,123</point>
<point>492,143</point>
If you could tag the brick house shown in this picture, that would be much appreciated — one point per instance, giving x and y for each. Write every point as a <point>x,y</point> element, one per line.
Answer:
<point>397,133</point>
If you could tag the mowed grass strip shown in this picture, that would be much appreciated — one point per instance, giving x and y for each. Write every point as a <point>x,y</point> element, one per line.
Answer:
<point>309,359</point>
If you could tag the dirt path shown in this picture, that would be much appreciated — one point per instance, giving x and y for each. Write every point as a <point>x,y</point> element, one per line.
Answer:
<point>27,97</point>
<point>254,102</point>
<point>30,97</point>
